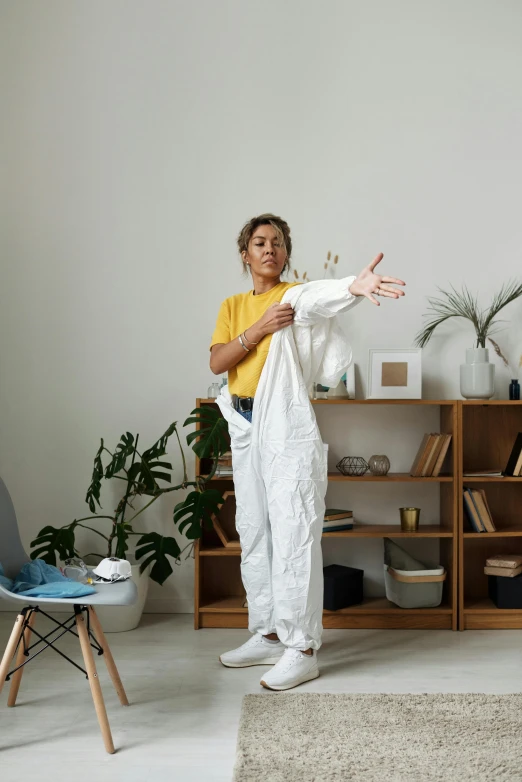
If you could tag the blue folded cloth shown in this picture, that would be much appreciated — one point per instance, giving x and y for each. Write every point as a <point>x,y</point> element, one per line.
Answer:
<point>38,579</point>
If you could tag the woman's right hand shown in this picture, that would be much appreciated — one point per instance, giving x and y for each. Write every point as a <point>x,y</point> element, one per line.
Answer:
<point>277,316</point>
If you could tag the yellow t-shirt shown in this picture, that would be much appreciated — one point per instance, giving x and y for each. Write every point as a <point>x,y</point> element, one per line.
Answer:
<point>236,314</point>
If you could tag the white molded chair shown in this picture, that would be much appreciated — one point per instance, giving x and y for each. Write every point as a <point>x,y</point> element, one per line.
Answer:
<point>90,633</point>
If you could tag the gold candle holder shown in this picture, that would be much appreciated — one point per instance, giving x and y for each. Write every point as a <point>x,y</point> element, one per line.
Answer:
<point>409,519</point>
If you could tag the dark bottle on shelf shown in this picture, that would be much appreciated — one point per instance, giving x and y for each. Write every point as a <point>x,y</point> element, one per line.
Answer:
<point>514,389</point>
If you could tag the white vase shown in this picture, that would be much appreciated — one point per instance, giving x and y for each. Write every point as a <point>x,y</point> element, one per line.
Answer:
<point>118,619</point>
<point>477,375</point>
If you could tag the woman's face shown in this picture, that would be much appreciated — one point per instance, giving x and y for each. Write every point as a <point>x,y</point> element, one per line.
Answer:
<point>266,253</point>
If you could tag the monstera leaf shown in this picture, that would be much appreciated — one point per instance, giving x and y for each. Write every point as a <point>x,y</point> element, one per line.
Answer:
<point>156,548</point>
<point>160,447</point>
<point>93,492</point>
<point>212,433</point>
<point>124,449</point>
<point>196,510</point>
<point>122,535</point>
<point>54,542</point>
<point>147,474</point>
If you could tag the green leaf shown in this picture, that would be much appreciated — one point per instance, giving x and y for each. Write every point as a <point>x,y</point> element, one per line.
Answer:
<point>211,436</point>
<point>122,536</point>
<point>54,542</point>
<point>124,449</point>
<point>196,510</point>
<point>462,304</point>
<point>93,492</point>
<point>159,448</point>
<point>156,548</point>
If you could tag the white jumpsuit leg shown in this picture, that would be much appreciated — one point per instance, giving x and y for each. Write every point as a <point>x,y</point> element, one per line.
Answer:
<point>297,562</point>
<point>253,526</point>
<point>280,491</point>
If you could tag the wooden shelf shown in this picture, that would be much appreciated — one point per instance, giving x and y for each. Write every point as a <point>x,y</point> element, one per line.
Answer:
<point>218,570</point>
<point>500,533</point>
<point>344,401</point>
<point>359,531</point>
<point>486,606</point>
<point>376,605</point>
<point>225,604</point>
<point>373,612</point>
<point>482,614</point>
<point>220,551</point>
<point>492,402</point>
<point>392,477</point>
<point>507,479</point>
<point>369,605</point>
<point>391,531</point>
<point>487,430</point>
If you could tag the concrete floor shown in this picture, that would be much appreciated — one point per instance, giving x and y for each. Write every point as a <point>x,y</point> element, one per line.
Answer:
<point>185,706</point>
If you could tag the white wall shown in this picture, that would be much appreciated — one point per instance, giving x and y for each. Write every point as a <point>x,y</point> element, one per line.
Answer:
<point>137,139</point>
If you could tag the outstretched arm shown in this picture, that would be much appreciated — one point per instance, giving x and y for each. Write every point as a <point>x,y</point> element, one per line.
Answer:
<point>369,284</point>
<point>327,298</point>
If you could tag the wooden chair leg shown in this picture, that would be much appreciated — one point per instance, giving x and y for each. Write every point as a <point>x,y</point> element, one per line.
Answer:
<point>16,634</point>
<point>94,682</point>
<point>107,656</point>
<point>17,676</point>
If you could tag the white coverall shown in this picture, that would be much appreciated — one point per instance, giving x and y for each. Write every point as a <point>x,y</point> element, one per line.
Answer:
<point>280,467</point>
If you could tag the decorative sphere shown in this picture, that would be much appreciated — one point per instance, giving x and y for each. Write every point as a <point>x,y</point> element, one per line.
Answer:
<point>352,465</point>
<point>379,465</point>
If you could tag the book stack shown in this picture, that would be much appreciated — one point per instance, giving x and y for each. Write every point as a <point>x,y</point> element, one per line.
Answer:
<point>507,565</point>
<point>430,456</point>
<point>336,519</point>
<point>478,511</point>
<point>224,465</point>
<point>514,465</point>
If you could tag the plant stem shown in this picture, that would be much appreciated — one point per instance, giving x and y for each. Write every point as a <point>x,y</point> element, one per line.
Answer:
<point>93,530</point>
<point>182,456</point>
<point>147,505</point>
<point>125,500</point>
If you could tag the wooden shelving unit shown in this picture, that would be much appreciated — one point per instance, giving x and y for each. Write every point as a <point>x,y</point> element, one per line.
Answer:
<point>219,593</point>
<point>487,431</point>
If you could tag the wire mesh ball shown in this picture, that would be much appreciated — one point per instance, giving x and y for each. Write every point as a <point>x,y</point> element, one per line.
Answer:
<point>353,465</point>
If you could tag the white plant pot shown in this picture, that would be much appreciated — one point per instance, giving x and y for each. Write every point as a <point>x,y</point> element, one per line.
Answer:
<point>477,375</point>
<point>119,619</point>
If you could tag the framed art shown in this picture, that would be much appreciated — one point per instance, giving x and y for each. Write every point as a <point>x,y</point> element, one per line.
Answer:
<point>395,374</point>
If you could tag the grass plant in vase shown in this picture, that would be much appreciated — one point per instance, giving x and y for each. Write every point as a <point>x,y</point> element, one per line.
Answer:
<point>477,375</point>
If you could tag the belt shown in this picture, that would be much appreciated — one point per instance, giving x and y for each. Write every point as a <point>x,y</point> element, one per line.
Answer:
<point>242,403</point>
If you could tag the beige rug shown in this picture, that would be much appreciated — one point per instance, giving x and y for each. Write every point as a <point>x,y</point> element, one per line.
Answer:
<point>312,737</point>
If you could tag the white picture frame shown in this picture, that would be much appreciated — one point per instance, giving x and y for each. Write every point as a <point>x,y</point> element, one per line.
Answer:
<point>394,373</point>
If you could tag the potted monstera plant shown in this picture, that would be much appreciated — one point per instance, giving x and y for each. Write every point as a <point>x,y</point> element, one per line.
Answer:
<point>143,474</point>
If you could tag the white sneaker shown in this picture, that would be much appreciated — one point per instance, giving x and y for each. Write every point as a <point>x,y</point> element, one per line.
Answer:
<point>293,668</point>
<point>256,651</point>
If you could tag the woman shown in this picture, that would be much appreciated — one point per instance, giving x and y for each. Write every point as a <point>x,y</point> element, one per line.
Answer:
<point>279,465</point>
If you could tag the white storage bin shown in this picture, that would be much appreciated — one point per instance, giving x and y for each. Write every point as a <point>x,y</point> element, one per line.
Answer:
<point>414,588</point>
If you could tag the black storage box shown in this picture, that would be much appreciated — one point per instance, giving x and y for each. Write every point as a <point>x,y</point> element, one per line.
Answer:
<point>505,592</point>
<point>343,587</point>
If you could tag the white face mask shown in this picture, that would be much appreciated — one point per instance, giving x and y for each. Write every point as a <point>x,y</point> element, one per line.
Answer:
<point>112,569</point>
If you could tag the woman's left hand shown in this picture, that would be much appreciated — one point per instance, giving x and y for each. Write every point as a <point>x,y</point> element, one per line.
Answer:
<point>369,284</point>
